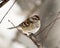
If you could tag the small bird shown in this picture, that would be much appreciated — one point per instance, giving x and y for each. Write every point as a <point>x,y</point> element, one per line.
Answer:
<point>29,24</point>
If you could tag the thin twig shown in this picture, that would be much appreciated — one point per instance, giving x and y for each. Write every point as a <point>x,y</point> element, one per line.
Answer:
<point>15,26</point>
<point>7,12</point>
<point>49,24</point>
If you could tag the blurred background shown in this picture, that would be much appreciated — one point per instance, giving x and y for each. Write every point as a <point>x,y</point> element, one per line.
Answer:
<point>48,9</point>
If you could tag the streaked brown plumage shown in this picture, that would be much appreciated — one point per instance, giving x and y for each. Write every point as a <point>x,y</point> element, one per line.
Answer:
<point>29,24</point>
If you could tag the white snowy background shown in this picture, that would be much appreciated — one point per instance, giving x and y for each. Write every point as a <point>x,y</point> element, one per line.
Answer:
<point>16,17</point>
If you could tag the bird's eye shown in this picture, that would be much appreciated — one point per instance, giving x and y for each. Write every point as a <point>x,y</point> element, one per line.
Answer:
<point>2,2</point>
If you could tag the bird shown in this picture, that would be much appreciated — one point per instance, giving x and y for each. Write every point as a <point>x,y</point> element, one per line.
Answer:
<point>29,24</point>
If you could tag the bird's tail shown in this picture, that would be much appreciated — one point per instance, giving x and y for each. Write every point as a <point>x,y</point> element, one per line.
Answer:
<point>13,27</point>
